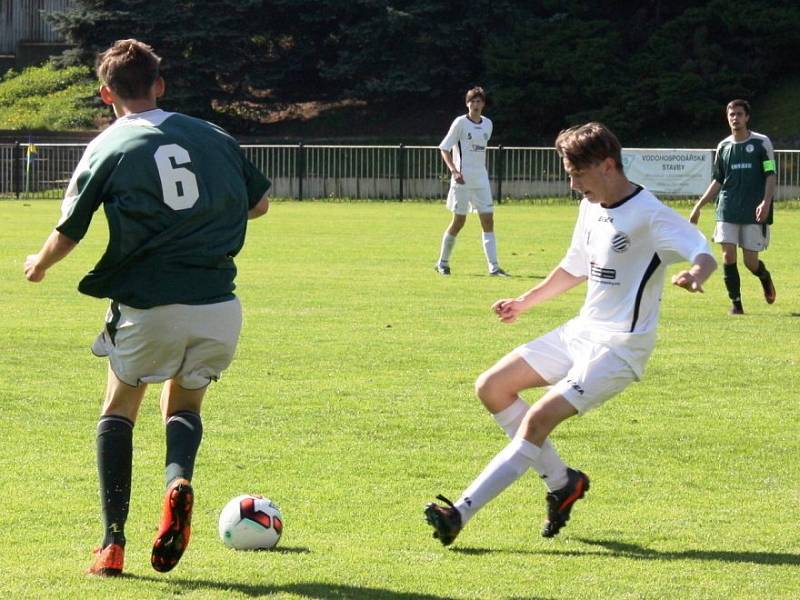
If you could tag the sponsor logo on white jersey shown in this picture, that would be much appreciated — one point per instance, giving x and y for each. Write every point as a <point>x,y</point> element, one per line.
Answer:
<point>620,242</point>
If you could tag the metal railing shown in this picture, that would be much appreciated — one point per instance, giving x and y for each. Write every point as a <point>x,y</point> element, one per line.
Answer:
<point>299,171</point>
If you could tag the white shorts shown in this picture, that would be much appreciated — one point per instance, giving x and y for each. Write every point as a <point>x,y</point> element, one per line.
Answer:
<point>752,236</point>
<point>461,200</point>
<point>584,373</point>
<point>191,343</point>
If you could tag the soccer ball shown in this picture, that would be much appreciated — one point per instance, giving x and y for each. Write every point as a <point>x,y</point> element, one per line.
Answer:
<point>250,522</point>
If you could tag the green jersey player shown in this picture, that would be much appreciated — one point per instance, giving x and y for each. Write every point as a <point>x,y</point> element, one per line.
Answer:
<point>744,186</point>
<point>177,193</point>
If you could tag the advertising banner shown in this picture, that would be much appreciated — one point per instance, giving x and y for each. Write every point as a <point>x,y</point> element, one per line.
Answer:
<point>669,172</point>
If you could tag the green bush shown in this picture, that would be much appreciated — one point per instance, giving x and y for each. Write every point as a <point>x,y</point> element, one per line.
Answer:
<point>48,98</point>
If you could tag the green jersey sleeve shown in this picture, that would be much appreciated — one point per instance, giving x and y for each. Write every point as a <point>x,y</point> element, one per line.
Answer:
<point>83,195</point>
<point>718,169</point>
<point>256,181</point>
<point>768,162</point>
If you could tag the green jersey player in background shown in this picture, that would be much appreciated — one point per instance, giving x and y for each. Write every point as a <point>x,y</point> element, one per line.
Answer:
<point>744,187</point>
<point>177,193</point>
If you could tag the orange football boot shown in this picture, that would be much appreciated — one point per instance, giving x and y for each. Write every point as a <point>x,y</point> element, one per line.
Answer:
<point>108,561</point>
<point>176,526</point>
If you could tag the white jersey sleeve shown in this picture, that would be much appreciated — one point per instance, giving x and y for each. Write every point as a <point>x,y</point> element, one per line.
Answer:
<point>574,261</point>
<point>675,238</point>
<point>452,137</point>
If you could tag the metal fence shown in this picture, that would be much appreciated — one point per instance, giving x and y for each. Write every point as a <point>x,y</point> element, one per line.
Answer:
<point>301,171</point>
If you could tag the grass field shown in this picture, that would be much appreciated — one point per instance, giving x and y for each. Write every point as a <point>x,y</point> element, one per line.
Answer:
<point>350,404</point>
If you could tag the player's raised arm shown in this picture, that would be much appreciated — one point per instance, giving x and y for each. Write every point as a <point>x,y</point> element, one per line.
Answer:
<point>56,247</point>
<point>557,282</point>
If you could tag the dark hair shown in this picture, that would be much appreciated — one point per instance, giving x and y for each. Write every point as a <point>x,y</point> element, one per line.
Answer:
<point>738,102</point>
<point>129,68</point>
<point>476,92</point>
<point>584,146</point>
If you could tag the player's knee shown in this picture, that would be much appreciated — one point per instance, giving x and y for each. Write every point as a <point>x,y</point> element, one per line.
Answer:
<point>455,226</point>
<point>482,385</point>
<point>752,266</point>
<point>536,425</point>
<point>489,389</point>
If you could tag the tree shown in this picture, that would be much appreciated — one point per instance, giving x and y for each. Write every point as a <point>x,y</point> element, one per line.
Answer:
<point>419,49</point>
<point>640,67</point>
<point>698,61</point>
<point>205,44</point>
<point>545,69</point>
<point>373,49</point>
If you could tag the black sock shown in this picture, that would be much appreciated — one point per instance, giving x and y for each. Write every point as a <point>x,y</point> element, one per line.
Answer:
<point>733,283</point>
<point>114,460</point>
<point>761,272</point>
<point>184,432</point>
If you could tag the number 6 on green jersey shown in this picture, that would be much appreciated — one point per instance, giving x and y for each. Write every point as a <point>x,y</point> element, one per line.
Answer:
<point>178,184</point>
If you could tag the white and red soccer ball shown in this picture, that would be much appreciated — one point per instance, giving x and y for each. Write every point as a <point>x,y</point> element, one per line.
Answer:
<point>250,522</point>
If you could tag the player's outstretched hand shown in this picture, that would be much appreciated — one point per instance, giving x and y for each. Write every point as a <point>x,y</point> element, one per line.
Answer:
<point>508,309</point>
<point>32,272</point>
<point>687,281</point>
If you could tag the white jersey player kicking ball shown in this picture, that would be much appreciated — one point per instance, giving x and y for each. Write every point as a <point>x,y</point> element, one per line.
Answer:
<point>623,240</point>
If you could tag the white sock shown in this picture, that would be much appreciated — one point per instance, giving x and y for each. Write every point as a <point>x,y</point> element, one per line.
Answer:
<point>503,470</point>
<point>448,241</point>
<point>490,250</point>
<point>510,418</point>
<point>548,465</point>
